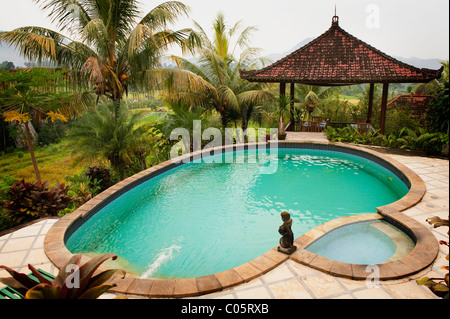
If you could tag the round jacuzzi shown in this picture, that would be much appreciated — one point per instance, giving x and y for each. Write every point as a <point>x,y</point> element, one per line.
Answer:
<point>364,243</point>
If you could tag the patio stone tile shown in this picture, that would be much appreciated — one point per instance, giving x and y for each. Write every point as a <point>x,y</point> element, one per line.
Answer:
<point>282,272</point>
<point>322,285</point>
<point>301,270</point>
<point>438,183</point>
<point>37,257</point>
<point>291,289</point>
<point>17,244</point>
<point>409,290</point>
<point>12,259</point>
<point>352,284</point>
<point>253,293</point>
<point>372,293</point>
<point>27,231</point>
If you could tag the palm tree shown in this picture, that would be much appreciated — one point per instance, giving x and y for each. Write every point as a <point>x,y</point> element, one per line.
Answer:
<point>214,81</point>
<point>117,138</point>
<point>105,46</point>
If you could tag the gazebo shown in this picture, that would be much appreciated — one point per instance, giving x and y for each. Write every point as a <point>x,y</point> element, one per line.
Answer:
<point>336,58</point>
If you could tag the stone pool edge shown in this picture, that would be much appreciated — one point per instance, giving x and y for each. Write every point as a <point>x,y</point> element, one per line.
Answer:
<point>424,253</point>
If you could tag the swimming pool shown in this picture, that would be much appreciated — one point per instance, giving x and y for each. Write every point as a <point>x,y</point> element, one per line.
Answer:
<point>202,218</point>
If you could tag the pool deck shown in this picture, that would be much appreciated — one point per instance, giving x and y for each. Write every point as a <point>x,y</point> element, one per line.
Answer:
<point>289,279</point>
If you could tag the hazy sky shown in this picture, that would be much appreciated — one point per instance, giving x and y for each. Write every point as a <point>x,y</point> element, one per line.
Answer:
<point>406,28</point>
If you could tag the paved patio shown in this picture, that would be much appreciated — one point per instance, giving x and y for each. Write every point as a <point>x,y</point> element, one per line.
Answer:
<point>290,279</point>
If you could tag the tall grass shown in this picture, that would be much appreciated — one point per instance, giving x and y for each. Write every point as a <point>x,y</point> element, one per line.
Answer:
<point>54,162</point>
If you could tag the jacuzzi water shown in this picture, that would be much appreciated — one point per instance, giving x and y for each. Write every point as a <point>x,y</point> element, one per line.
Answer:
<point>200,219</point>
<point>363,243</point>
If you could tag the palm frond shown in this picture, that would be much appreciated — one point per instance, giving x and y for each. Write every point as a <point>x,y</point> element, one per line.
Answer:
<point>68,14</point>
<point>163,14</point>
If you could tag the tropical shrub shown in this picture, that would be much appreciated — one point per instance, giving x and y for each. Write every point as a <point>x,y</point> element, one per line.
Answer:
<point>404,139</point>
<point>6,182</point>
<point>82,188</point>
<point>100,134</point>
<point>49,201</point>
<point>437,113</point>
<point>99,176</point>
<point>337,110</point>
<point>27,201</point>
<point>81,283</point>
<point>439,287</point>
<point>399,118</point>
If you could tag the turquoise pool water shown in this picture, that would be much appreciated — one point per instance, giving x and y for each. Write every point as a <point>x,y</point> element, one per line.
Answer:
<point>362,243</point>
<point>199,219</point>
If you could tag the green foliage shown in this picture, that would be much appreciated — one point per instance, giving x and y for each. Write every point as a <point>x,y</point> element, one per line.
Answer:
<point>6,66</point>
<point>27,201</point>
<point>49,201</point>
<point>337,110</point>
<point>100,134</point>
<point>400,118</point>
<point>437,114</point>
<point>99,176</point>
<point>79,283</point>
<point>439,286</point>
<point>405,138</point>
<point>82,188</point>
<point>50,133</point>
<point>6,182</point>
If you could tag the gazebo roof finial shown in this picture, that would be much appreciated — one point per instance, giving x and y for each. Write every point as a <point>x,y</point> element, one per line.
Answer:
<point>335,19</point>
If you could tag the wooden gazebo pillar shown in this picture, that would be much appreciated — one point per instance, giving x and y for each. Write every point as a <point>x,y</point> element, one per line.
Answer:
<point>282,94</point>
<point>369,111</point>
<point>384,98</point>
<point>291,109</point>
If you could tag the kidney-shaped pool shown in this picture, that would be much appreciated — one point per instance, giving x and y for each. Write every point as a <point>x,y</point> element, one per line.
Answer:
<point>203,218</point>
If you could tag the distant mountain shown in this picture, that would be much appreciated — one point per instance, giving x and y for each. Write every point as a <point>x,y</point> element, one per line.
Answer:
<point>277,56</point>
<point>433,64</point>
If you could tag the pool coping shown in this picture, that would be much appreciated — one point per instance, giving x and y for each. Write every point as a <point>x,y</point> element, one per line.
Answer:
<point>424,253</point>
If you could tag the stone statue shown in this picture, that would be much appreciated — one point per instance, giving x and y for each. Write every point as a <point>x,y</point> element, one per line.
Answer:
<point>287,241</point>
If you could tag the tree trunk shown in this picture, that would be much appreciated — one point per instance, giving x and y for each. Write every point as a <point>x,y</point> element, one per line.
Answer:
<point>30,148</point>
<point>116,108</point>
<point>223,116</point>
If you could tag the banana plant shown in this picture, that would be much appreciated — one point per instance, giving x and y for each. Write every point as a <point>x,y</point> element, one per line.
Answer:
<point>74,281</point>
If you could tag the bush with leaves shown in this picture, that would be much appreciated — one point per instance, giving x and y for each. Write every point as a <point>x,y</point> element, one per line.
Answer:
<point>27,201</point>
<point>439,286</point>
<point>82,187</point>
<point>88,285</point>
<point>100,134</point>
<point>99,176</point>
<point>405,138</point>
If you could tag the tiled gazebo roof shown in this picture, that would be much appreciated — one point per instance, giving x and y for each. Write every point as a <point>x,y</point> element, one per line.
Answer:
<point>336,57</point>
